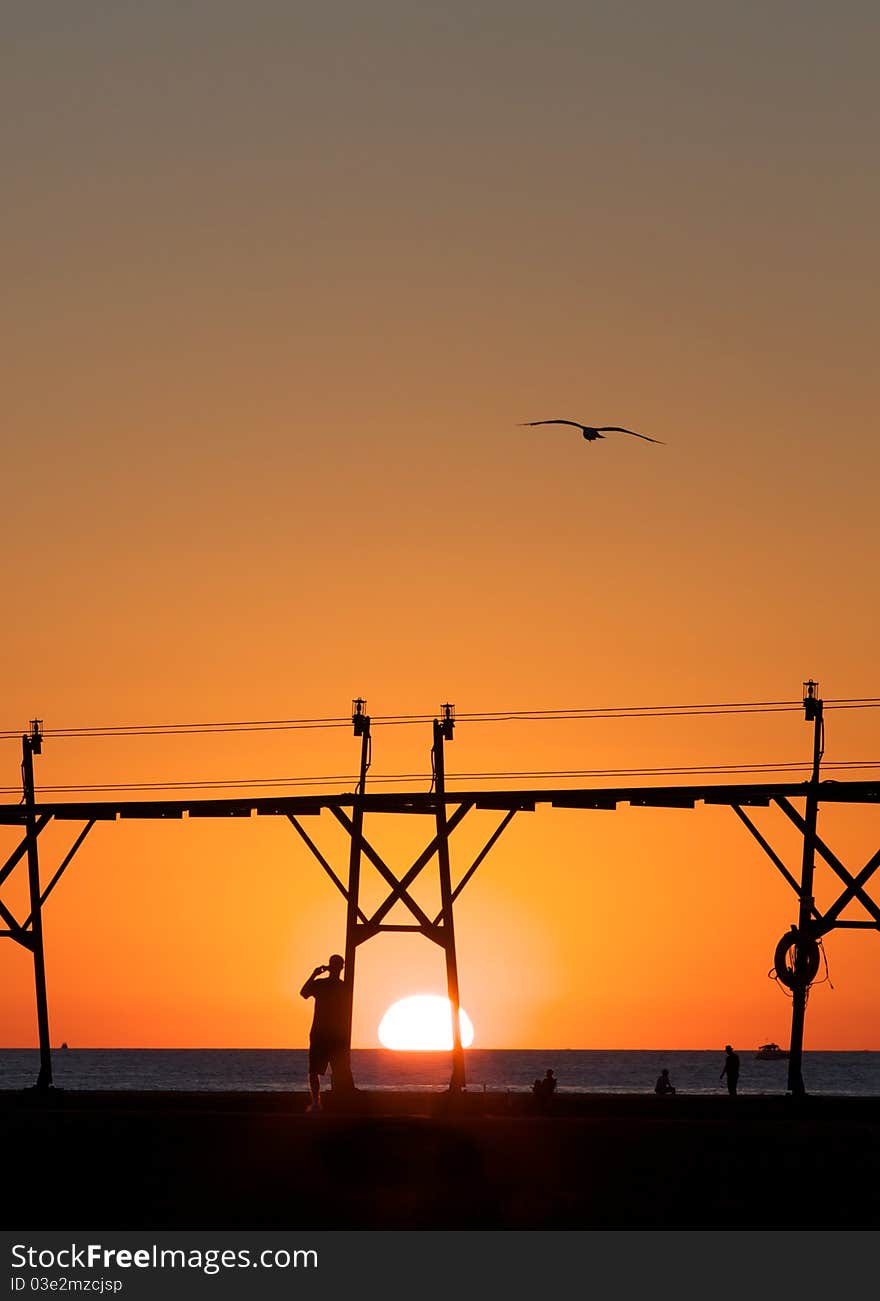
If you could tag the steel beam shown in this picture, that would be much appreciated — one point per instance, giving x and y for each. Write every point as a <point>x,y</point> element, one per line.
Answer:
<point>832,860</point>
<point>457,1082</point>
<point>353,911</point>
<point>479,858</point>
<point>15,932</point>
<point>805,940</point>
<point>321,859</point>
<point>401,927</point>
<point>771,853</point>
<point>18,854</point>
<point>761,793</point>
<point>829,920</point>
<point>386,873</point>
<point>423,859</point>
<point>44,1079</point>
<point>66,862</point>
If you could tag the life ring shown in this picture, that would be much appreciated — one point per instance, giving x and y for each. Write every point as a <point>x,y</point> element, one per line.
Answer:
<point>810,957</point>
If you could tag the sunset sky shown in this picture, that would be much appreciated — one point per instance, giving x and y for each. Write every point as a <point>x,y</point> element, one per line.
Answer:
<point>280,284</point>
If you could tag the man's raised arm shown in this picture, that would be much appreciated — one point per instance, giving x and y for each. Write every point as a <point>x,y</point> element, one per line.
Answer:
<point>308,989</point>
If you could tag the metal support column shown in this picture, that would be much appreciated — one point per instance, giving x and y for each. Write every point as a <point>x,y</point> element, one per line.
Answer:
<point>31,745</point>
<point>443,732</point>
<point>805,943</point>
<point>361,723</point>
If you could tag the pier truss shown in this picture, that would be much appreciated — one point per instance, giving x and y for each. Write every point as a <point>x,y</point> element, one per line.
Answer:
<point>796,957</point>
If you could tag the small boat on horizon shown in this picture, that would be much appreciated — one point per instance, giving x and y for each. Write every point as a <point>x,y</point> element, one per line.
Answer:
<point>771,1053</point>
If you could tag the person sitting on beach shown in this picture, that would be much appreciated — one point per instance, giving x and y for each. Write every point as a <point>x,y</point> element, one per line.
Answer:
<point>664,1084</point>
<point>544,1090</point>
<point>329,1044</point>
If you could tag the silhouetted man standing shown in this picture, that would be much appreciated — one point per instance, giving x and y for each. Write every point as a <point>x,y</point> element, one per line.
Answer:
<point>329,1043</point>
<point>730,1069</point>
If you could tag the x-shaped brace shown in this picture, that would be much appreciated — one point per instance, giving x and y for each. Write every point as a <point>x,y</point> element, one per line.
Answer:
<point>854,884</point>
<point>400,886</point>
<point>22,932</point>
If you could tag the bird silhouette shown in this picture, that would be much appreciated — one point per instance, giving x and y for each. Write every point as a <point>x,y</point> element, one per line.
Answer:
<point>592,432</point>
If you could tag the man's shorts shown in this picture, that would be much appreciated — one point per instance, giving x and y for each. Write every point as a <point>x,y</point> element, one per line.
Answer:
<point>322,1052</point>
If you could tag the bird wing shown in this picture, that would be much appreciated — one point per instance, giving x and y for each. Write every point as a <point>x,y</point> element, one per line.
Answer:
<point>619,429</point>
<point>573,423</point>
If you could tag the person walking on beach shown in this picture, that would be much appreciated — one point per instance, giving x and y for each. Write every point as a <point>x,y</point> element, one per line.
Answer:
<point>664,1084</point>
<point>329,1044</point>
<point>730,1069</point>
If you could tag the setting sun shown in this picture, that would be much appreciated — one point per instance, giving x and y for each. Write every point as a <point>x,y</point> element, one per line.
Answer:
<point>422,1023</point>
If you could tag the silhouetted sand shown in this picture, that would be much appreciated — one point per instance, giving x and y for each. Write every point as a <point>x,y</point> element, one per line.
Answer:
<point>420,1160</point>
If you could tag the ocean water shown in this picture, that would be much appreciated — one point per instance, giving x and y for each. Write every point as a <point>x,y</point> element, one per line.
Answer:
<point>852,1074</point>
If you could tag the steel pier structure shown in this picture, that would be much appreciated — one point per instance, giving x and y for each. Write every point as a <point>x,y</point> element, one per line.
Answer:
<point>797,953</point>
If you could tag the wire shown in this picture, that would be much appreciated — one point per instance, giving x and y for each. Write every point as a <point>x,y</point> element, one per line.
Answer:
<point>481,716</point>
<point>826,979</point>
<point>392,778</point>
<point>772,974</point>
<point>179,729</point>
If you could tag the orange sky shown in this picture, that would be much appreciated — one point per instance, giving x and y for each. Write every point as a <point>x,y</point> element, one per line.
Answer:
<point>280,288</point>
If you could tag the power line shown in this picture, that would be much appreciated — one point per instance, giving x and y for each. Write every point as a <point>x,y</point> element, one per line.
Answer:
<point>595,713</point>
<point>788,766</point>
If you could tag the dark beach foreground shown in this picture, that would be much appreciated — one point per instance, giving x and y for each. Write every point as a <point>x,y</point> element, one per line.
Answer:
<point>428,1161</point>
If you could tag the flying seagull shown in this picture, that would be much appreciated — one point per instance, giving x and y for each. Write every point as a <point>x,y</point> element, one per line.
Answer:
<point>592,432</point>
